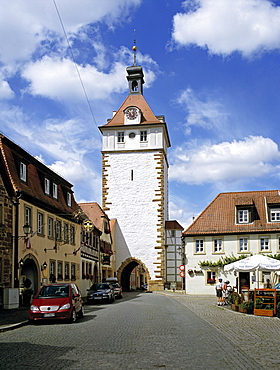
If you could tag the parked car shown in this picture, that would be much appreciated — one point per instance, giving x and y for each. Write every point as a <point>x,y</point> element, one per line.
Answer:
<point>61,301</point>
<point>101,292</point>
<point>117,288</point>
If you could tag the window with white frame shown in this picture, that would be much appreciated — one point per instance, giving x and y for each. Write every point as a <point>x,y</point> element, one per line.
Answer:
<point>47,186</point>
<point>211,277</point>
<point>50,227</point>
<point>264,244</point>
<point>275,214</point>
<point>243,216</point>
<point>218,245</point>
<point>120,137</point>
<point>66,271</point>
<point>22,171</point>
<point>52,270</point>
<point>55,192</point>
<point>72,234</point>
<point>58,230</point>
<point>73,271</point>
<point>143,136</point>
<point>69,199</point>
<point>27,216</point>
<point>40,223</point>
<point>59,270</point>
<point>66,232</point>
<point>199,246</point>
<point>243,245</point>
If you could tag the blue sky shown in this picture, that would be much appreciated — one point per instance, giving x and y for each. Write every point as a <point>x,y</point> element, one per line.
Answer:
<point>211,68</point>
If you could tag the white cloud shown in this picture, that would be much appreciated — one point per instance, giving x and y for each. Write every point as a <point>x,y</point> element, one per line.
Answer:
<point>225,26</point>
<point>5,90</point>
<point>26,23</point>
<point>228,161</point>
<point>46,77</point>
<point>207,112</point>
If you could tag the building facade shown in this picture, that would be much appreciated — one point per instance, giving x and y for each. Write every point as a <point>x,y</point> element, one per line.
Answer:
<point>174,256</point>
<point>42,202</point>
<point>134,181</point>
<point>234,225</point>
<point>97,254</point>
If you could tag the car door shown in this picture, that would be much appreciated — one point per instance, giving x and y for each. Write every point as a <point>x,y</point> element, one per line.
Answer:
<point>76,298</point>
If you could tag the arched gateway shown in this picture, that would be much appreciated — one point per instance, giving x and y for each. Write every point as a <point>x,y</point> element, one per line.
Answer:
<point>132,274</point>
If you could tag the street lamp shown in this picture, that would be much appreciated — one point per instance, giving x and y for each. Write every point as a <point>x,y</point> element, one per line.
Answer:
<point>26,230</point>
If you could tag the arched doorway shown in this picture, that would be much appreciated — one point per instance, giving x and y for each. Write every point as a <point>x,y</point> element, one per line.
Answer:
<point>132,268</point>
<point>29,271</point>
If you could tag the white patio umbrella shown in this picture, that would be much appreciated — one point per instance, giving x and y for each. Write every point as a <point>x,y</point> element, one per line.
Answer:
<point>258,262</point>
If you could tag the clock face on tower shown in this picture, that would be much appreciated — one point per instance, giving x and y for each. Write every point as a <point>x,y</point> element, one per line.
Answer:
<point>132,113</point>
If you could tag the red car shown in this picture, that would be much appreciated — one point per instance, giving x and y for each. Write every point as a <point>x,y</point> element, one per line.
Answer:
<point>61,301</point>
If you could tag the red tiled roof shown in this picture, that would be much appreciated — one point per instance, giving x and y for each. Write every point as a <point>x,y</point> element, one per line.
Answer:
<point>94,213</point>
<point>147,116</point>
<point>33,189</point>
<point>219,217</point>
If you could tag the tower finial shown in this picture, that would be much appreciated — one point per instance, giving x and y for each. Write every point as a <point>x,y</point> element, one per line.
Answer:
<point>134,48</point>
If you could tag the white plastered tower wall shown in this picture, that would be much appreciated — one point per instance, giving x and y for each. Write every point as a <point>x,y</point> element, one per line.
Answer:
<point>135,181</point>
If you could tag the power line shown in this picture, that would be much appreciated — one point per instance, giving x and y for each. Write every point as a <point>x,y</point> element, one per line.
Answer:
<point>76,66</point>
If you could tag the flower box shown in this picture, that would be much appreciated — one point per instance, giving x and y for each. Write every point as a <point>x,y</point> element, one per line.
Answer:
<point>261,312</point>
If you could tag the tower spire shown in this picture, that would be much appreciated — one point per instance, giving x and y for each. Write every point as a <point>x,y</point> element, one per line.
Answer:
<point>135,75</point>
<point>134,48</point>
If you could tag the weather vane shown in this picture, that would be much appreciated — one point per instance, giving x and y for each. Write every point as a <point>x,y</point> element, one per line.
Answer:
<point>134,48</point>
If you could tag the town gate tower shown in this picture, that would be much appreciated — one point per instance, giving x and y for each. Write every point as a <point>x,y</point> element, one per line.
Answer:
<point>135,179</point>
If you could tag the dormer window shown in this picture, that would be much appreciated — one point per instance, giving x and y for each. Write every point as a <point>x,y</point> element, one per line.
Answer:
<point>69,199</point>
<point>243,216</point>
<point>275,214</point>
<point>55,190</point>
<point>47,186</point>
<point>22,170</point>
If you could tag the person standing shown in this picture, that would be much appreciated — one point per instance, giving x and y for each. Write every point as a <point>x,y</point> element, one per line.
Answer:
<point>226,291</point>
<point>219,292</point>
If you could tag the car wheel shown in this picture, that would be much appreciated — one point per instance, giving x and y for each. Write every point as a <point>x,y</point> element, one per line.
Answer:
<point>82,312</point>
<point>73,316</point>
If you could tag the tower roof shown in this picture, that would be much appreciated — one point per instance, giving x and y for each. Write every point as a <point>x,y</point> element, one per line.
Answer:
<point>138,101</point>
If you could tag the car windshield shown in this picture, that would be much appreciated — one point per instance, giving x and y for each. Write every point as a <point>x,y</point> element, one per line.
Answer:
<point>54,291</point>
<point>100,286</point>
<point>115,285</point>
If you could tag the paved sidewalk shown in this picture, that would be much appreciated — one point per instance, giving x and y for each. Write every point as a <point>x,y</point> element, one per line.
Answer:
<point>11,319</point>
<point>258,336</point>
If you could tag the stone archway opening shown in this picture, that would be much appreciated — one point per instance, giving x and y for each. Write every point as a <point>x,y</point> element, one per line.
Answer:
<point>28,280</point>
<point>132,274</point>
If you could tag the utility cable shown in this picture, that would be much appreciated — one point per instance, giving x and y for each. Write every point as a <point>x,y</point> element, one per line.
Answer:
<point>75,63</point>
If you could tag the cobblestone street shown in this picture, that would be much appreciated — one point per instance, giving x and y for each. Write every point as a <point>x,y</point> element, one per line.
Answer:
<point>258,336</point>
<point>147,331</point>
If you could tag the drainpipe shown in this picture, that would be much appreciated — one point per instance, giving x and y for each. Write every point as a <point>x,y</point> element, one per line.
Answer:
<point>16,204</point>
